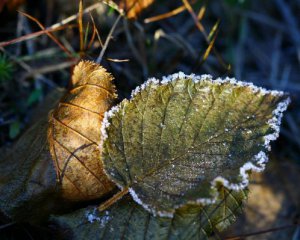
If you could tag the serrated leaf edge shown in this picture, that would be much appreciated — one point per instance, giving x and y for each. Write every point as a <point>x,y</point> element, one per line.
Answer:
<point>260,159</point>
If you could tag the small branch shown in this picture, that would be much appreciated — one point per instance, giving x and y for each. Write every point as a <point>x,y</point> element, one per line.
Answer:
<point>113,199</point>
<point>99,59</point>
<point>80,25</point>
<point>55,27</point>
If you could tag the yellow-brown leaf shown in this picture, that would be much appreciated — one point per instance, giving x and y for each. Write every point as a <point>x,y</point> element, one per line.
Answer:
<point>134,7</point>
<point>74,133</point>
<point>11,5</point>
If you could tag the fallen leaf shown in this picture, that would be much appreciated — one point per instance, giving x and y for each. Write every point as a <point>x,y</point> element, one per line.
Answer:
<point>74,133</point>
<point>128,220</point>
<point>28,187</point>
<point>177,138</point>
<point>57,160</point>
<point>12,5</point>
<point>134,7</point>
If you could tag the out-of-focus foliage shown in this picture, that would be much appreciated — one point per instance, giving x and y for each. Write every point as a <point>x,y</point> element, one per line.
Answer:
<point>6,69</point>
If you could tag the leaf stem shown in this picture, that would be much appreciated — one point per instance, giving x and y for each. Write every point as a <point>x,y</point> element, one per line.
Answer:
<point>113,199</point>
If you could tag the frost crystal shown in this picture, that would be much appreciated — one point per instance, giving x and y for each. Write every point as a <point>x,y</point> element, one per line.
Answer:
<point>93,217</point>
<point>148,208</point>
<point>105,124</point>
<point>275,122</point>
<point>144,85</point>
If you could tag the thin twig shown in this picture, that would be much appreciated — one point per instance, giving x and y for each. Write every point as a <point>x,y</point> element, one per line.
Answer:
<point>99,59</point>
<point>80,26</point>
<point>165,15</point>
<point>7,225</point>
<point>113,199</point>
<point>48,33</point>
<point>55,27</point>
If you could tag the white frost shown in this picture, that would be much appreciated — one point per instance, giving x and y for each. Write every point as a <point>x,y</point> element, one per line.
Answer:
<point>147,207</point>
<point>138,89</point>
<point>275,122</point>
<point>93,217</point>
<point>105,123</point>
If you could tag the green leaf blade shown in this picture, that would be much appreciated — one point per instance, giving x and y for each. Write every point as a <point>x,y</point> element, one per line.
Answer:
<point>175,139</point>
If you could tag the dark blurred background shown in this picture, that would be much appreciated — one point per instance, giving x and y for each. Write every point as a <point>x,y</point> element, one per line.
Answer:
<point>255,41</point>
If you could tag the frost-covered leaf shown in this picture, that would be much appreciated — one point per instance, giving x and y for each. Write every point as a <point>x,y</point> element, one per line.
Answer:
<point>128,220</point>
<point>74,133</point>
<point>176,138</point>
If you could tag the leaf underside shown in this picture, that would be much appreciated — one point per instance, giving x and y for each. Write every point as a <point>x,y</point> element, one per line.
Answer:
<point>171,140</point>
<point>27,176</point>
<point>128,220</point>
<point>27,173</point>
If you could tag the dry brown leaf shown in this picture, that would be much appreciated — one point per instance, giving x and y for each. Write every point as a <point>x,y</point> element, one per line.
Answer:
<point>62,146</point>
<point>134,7</point>
<point>74,133</point>
<point>12,5</point>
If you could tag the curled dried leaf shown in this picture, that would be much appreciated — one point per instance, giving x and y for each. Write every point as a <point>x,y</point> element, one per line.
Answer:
<point>12,5</point>
<point>74,133</point>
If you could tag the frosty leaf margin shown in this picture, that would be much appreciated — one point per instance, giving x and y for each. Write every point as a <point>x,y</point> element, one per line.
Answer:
<point>257,164</point>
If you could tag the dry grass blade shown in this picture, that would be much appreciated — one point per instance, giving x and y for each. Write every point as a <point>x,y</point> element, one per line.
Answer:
<point>99,59</point>
<point>168,14</point>
<point>80,26</point>
<point>74,133</point>
<point>201,13</point>
<point>55,27</point>
<point>48,33</point>
<point>95,32</point>
<point>203,31</point>
<point>33,35</point>
<point>165,15</point>
<point>213,30</point>
<point>209,48</point>
<point>197,22</point>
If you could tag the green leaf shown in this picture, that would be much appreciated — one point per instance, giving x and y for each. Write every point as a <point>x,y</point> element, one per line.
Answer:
<point>176,138</point>
<point>128,220</point>
<point>34,96</point>
<point>14,129</point>
<point>6,68</point>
